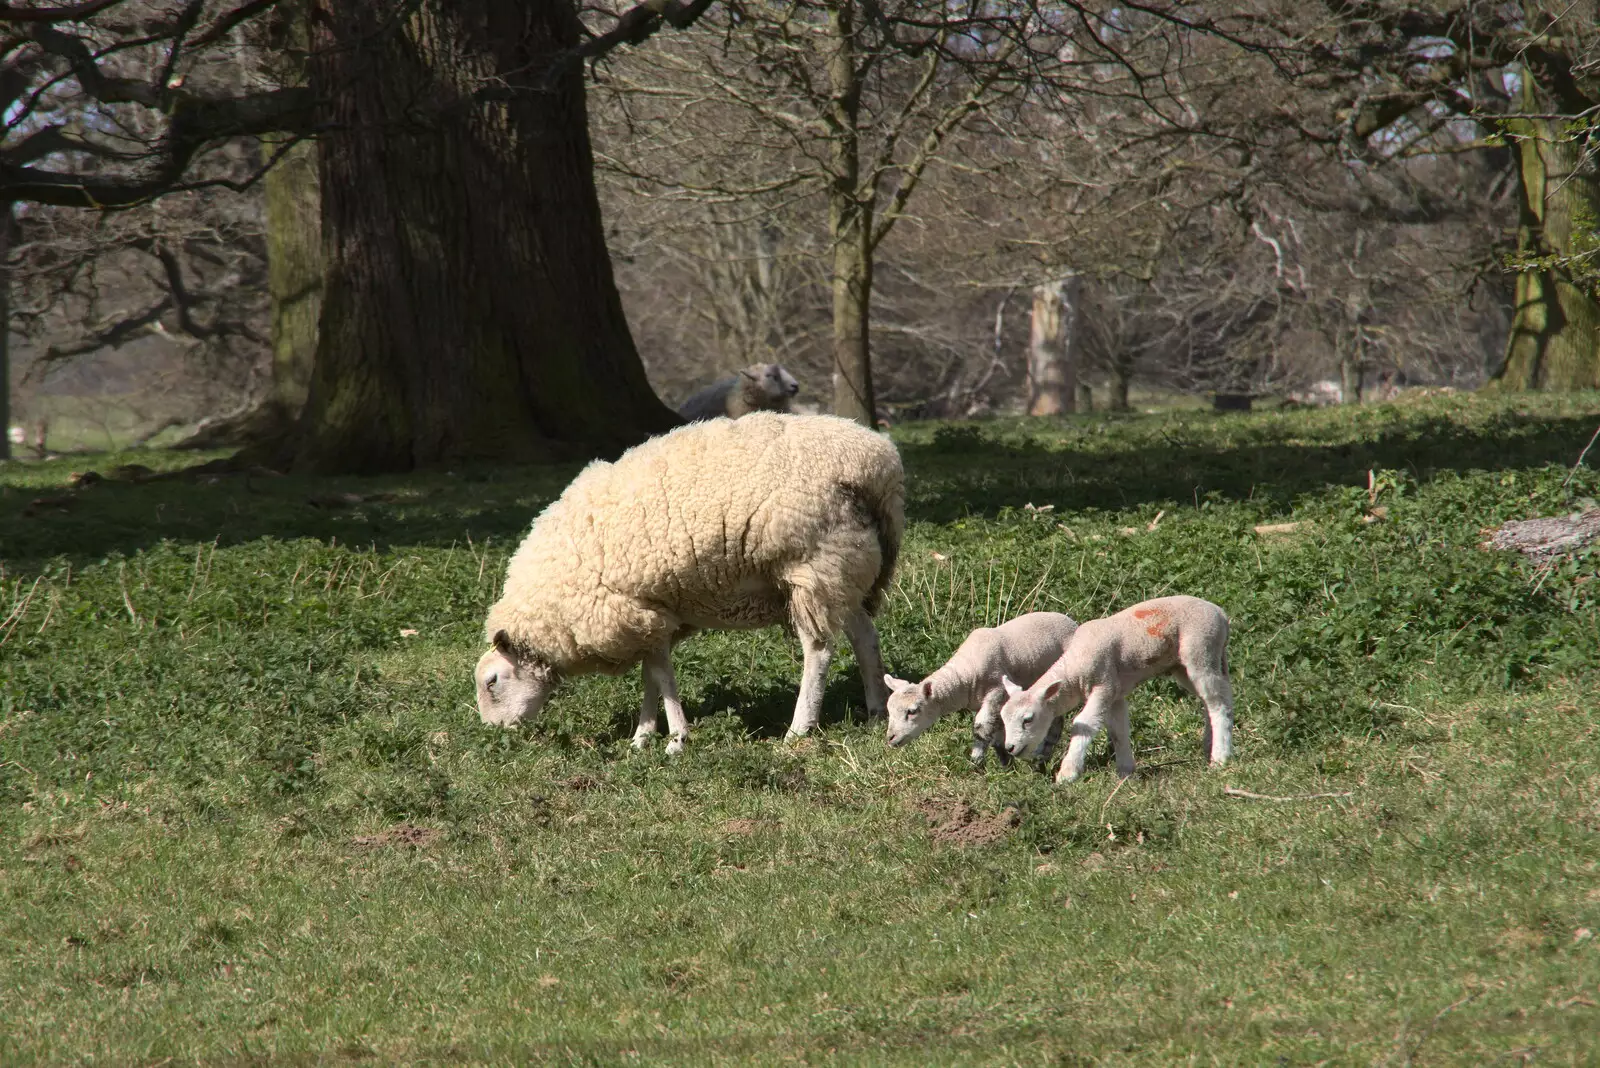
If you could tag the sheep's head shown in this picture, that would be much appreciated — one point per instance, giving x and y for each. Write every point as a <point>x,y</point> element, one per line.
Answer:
<point>776,384</point>
<point>512,685</point>
<point>909,711</point>
<point>1028,713</point>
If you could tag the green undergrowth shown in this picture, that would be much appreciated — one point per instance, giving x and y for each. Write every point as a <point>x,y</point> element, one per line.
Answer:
<point>251,816</point>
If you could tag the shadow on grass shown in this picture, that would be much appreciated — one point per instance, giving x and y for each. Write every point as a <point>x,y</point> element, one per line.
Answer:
<point>1101,462</point>
<point>964,470</point>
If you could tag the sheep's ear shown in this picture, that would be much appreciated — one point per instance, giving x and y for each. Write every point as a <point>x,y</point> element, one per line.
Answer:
<point>1051,691</point>
<point>1012,689</point>
<point>895,685</point>
<point>927,691</point>
<point>751,377</point>
<point>502,643</point>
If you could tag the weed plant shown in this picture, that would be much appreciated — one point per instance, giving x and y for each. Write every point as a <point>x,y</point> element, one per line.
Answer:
<point>250,816</point>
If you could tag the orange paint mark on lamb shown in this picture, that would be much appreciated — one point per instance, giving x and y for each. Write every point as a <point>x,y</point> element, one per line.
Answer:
<point>1141,613</point>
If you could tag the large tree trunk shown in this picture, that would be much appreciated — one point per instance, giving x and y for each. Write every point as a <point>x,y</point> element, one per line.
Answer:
<point>469,308</point>
<point>5,329</point>
<point>850,228</point>
<point>1052,348</point>
<point>1121,379</point>
<point>1555,326</point>
<point>1350,378</point>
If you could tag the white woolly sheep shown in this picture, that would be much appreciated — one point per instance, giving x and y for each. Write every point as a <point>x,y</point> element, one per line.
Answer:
<point>1021,648</point>
<point>761,387</point>
<point>1184,637</point>
<point>724,524</point>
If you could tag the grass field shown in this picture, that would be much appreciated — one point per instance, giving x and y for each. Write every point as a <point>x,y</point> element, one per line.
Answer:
<point>250,816</point>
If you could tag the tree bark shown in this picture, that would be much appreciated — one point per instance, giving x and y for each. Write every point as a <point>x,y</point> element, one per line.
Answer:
<point>6,223</point>
<point>849,227</point>
<point>1052,348</point>
<point>468,308</point>
<point>1555,327</point>
<point>1350,378</point>
<point>1121,379</point>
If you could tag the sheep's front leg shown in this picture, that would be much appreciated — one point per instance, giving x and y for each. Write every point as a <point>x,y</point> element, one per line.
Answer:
<point>647,709</point>
<point>1084,727</point>
<point>658,674</point>
<point>869,658</point>
<point>988,731</point>
<point>1216,691</point>
<point>1121,731</point>
<point>808,706</point>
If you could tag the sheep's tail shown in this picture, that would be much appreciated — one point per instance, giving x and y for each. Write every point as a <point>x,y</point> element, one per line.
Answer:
<point>885,508</point>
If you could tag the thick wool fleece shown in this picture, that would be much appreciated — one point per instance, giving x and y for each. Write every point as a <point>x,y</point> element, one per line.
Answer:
<point>724,524</point>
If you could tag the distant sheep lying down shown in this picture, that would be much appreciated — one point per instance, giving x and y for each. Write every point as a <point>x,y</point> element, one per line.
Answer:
<point>1021,648</point>
<point>1184,637</point>
<point>724,524</point>
<point>761,387</point>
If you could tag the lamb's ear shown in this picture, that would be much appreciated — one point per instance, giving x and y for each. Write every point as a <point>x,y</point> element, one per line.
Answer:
<point>896,685</point>
<point>751,377</point>
<point>1051,692</point>
<point>927,690</point>
<point>502,644</point>
<point>1012,689</point>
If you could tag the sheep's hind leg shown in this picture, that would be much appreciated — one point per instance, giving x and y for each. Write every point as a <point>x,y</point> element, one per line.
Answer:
<point>869,658</point>
<point>1216,691</point>
<point>658,672</point>
<point>647,709</point>
<point>813,677</point>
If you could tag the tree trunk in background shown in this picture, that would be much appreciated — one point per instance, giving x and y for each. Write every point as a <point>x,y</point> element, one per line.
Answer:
<point>5,330</point>
<point>468,307</point>
<point>1121,379</point>
<point>294,273</point>
<point>1052,347</point>
<point>850,229</point>
<point>1555,326</point>
<point>1350,378</point>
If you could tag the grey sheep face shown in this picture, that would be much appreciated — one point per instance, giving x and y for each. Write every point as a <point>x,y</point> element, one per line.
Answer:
<point>909,712</point>
<point>512,686</point>
<point>774,381</point>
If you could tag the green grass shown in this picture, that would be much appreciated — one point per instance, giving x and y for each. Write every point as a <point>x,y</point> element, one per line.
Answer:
<point>211,701</point>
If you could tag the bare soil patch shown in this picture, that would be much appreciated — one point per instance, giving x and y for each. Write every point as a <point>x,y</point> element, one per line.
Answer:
<point>956,823</point>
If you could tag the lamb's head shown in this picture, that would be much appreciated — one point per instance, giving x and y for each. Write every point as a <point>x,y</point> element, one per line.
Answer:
<point>777,385</point>
<point>512,684</point>
<point>1028,713</point>
<point>910,711</point>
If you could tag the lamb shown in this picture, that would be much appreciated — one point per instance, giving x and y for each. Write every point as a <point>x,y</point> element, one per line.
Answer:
<point>723,524</point>
<point>1021,648</point>
<point>1184,637</point>
<point>761,387</point>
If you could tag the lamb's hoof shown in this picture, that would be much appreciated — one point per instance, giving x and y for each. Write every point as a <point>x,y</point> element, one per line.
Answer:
<point>1065,777</point>
<point>675,746</point>
<point>641,741</point>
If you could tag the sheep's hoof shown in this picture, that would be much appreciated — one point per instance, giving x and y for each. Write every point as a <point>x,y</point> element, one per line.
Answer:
<point>640,741</point>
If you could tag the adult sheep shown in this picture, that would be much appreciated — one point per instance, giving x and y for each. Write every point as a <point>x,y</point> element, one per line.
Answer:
<point>761,387</point>
<point>727,524</point>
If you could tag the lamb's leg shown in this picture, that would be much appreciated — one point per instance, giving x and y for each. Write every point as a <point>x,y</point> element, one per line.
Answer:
<point>1216,690</point>
<point>1120,729</point>
<point>1181,677</point>
<point>1085,725</point>
<point>988,731</point>
<point>658,670</point>
<point>808,706</point>
<point>869,658</point>
<point>647,710</point>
